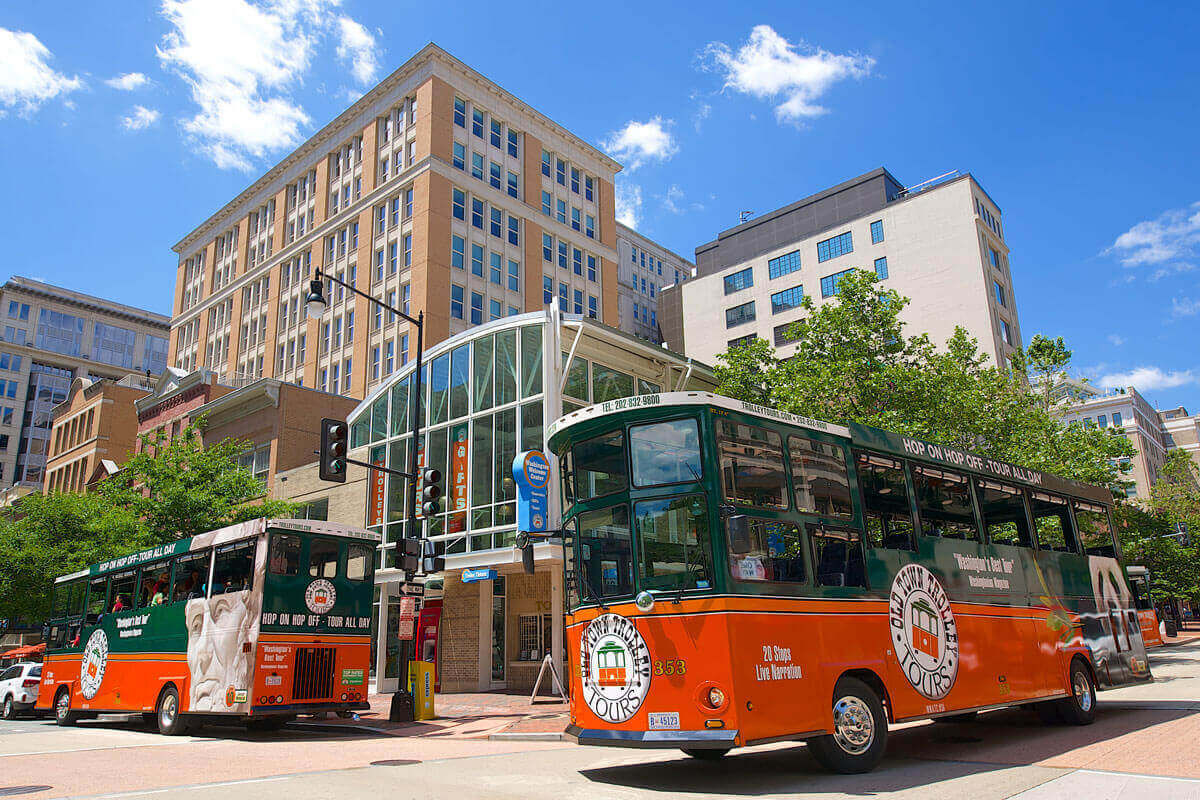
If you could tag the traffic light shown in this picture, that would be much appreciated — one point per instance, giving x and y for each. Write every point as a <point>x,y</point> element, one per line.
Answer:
<point>431,493</point>
<point>335,435</point>
<point>431,561</point>
<point>408,555</point>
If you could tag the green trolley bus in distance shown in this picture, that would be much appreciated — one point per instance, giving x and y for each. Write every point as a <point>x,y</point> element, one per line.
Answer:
<point>256,622</point>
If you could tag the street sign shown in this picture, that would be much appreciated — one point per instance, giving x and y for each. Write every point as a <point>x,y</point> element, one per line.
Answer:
<point>531,471</point>
<point>407,618</point>
<point>475,575</point>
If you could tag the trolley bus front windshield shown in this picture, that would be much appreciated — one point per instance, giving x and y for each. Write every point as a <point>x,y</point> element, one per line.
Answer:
<point>640,517</point>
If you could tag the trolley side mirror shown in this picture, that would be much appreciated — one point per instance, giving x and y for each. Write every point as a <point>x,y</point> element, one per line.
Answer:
<point>737,533</point>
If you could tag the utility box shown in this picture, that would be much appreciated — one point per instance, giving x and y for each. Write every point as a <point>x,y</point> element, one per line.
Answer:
<point>420,683</point>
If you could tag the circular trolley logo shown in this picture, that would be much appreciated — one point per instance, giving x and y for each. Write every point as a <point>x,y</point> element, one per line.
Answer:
<point>616,668</point>
<point>923,631</point>
<point>95,660</point>
<point>320,596</point>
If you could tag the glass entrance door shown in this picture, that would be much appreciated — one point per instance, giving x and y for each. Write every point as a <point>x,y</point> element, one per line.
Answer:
<point>498,633</point>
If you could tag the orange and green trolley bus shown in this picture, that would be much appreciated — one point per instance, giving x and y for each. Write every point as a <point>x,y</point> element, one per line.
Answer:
<point>256,623</point>
<point>738,576</point>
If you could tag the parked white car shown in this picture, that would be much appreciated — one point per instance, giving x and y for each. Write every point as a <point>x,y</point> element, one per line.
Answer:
<point>19,689</point>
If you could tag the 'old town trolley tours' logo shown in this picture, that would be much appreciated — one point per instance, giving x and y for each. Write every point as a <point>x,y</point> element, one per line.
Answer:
<point>95,661</point>
<point>615,668</point>
<point>320,596</point>
<point>923,631</point>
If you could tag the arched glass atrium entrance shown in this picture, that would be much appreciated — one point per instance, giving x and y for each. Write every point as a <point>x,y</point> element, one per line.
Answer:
<point>490,392</point>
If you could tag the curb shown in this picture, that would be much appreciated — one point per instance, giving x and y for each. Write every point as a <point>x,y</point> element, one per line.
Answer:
<point>528,736</point>
<point>1149,705</point>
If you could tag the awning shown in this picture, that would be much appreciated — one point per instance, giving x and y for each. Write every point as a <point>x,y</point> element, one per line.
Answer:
<point>25,651</point>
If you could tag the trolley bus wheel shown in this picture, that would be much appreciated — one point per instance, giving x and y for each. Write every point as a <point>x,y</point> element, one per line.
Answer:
<point>705,754</point>
<point>62,708</point>
<point>859,730</point>
<point>1080,707</point>
<point>170,720</point>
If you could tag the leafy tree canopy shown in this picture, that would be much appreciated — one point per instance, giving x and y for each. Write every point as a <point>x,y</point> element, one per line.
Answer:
<point>854,362</point>
<point>170,490</point>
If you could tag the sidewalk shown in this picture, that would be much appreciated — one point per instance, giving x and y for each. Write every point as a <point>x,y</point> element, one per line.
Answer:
<point>476,715</point>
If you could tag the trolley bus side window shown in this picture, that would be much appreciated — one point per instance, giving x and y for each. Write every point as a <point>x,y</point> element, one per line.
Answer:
<point>191,576</point>
<point>944,502</point>
<point>597,467</point>
<point>360,559</point>
<point>322,558</point>
<point>673,543</point>
<point>97,597</point>
<point>665,452</point>
<point>1141,597</point>
<point>766,550</point>
<point>120,596</point>
<point>752,471</point>
<point>1094,530</point>
<point>605,551</point>
<point>1052,522</point>
<point>885,501</point>
<point>1003,508</point>
<point>285,554</point>
<point>233,570</point>
<point>838,556</point>
<point>156,583</point>
<point>819,476</point>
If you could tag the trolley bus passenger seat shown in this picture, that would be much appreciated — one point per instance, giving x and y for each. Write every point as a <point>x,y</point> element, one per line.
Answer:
<point>832,569</point>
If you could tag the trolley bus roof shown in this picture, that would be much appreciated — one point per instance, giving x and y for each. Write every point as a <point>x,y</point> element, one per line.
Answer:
<point>230,533</point>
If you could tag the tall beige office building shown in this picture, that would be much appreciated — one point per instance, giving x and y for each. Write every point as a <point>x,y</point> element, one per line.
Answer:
<point>437,191</point>
<point>940,243</point>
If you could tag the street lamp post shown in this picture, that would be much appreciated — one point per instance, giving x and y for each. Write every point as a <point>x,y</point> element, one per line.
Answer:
<point>316,305</point>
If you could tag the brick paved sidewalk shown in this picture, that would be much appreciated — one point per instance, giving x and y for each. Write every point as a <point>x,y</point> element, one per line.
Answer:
<point>478,715</point>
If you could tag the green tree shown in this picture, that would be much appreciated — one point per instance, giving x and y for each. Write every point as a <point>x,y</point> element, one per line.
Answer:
<point>183,488</point>
<point>169,491</point>
<point>854,362</point>
<point>1146,539</point>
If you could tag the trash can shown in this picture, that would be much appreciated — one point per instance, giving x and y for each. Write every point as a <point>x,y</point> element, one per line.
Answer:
<point>1172,631</point>
<point>420,683</point>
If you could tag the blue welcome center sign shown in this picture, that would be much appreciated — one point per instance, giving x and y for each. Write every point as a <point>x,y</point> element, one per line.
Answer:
<point>531,471</point>
<point>476,575</point>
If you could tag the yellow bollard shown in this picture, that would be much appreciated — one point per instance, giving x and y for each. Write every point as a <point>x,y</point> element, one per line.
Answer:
<point>420,684</point>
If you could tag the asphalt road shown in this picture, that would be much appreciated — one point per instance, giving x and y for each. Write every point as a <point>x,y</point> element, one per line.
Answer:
<point>1145,745</point>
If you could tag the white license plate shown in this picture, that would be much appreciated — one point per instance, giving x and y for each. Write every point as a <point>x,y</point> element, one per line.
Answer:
<point>274,680</point>
<point>664,720</point>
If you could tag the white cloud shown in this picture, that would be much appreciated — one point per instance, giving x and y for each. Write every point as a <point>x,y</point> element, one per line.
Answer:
<point>770,67</point>
<point>1116,340</point>
<point>639,142</point>
<point>241,58</point>
<point>1146,379</point>
<point>128,82</point>
<point>26,79</point>
<point>629,204</point>
<point>140,118</point>
<point>1184,307</point>
<point>357,46</point>
<point>702,113</point>
<point>1172,237</point>
<point>673,201</point>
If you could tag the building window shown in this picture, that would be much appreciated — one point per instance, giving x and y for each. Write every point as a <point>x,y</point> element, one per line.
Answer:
<point>496,131</point>
<point>514,231</point>
<point>739,315</point>
<point>494,175</point>
<point>408,250</point>
<point>545,163</point>
<point>831,284</point>
<point>476,166</point>
<point>460,156</point>
<point>578,301</point>
<point>495,310</point>
<point>477,260</point>
<point>512,184</point>
<point>547,290</point>
<point>1006,333</point>
<point>783,335</point>
<point>589,226</point>
<point>459,204</point>
<point>497,223</point>
<point>477,213</point>
<point>512,143</point>
<point>1116,419</point>
<point>835,246</point>
<point>547,248</point>
<point>497,267</point>
<point>514,276</point>
<point>476,308</point>
<point>456,301</point>
<point>546,207</point>
<point>742,279</point>
<point>881,270</point>
<point>741,340</point>
<point>460,112</point>
<point>788,262</point>
<point>593,312</point>
<point>457,251</point>
<point>994,257</point>
<point>591,268</point>
<point>1000,298</point>
<point>877,231</point>
<point>560,171</point>
<point>787,299</point>
<point>477,122</point>
<point>587,188</point>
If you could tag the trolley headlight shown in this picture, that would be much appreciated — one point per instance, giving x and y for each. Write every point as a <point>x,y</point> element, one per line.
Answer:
<point>644,601</point>
<point>716,698</point>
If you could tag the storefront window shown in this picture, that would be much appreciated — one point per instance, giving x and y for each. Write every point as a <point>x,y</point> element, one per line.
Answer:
<point>506,451</point>
<point>484,370</point>
<point>531,360</point>
<point>379,416</point>
<point>481,471</point>
<point>460,375</point>
<point>531,426</point>
<point>439,389</point>
<point>609,384</point>
<point>400,406</point>
<point>577,379</point>
<point>398,459</point>
<point>506,367</point>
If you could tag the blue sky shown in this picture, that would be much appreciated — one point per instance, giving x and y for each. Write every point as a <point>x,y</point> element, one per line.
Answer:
<point>123,126</point>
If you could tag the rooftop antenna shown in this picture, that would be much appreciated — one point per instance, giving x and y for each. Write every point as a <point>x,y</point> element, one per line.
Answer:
<point>745,215</point>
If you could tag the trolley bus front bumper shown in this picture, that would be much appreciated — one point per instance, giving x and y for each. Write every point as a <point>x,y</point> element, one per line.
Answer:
<point>700,740</point>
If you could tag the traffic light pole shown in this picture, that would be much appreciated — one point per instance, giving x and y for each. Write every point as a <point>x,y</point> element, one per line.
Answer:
<point>402,701</point>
